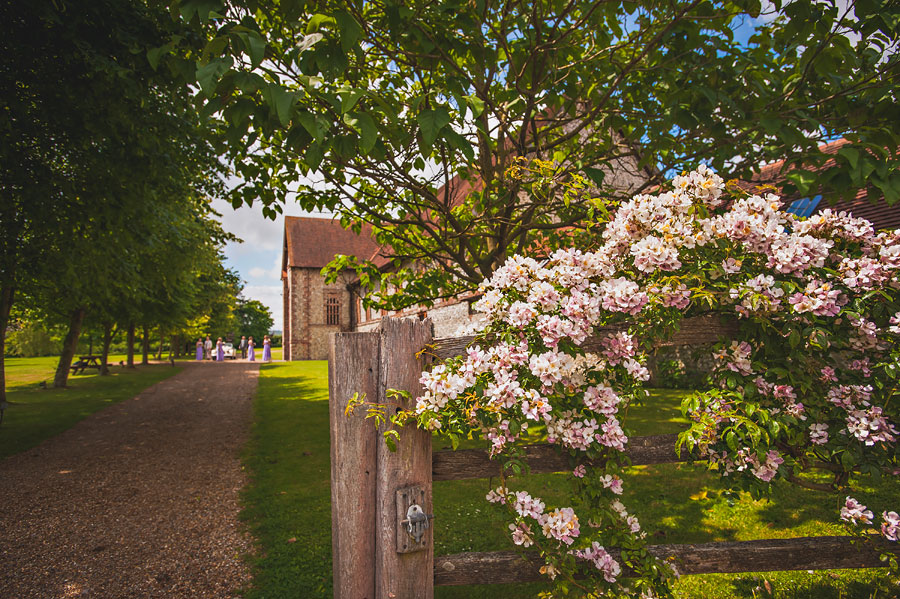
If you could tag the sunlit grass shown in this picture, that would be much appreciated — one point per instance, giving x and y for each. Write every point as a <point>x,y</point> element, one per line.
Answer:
<point>287,505</point>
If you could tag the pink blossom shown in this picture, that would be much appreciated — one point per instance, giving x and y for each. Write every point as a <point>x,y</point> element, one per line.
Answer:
<point>612,436</point>
<point>602,560</point>
<point>520,314</point>
<point>527,506</point>
<point>579,471</point>
<point>890,527</point>
<point>870,426</point>
<point>612,482</point>
<point>822,299</point>
<point>731,266</point>
<point>601,398</point>
<point>560,524</point>
<point>818,433</point>
<point>521,534</point>
<point>853,512</point>
<point>618,346</point>
<point>828,375</point>
<point>766,469</point>
<point>622,295</point>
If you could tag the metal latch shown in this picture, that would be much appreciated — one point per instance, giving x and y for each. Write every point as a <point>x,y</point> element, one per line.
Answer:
<point>416,522</point>
<point>412,519</point>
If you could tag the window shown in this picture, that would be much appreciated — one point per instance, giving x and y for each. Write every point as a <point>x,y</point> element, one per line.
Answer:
<point>804,207</point>
<point>332,311</point>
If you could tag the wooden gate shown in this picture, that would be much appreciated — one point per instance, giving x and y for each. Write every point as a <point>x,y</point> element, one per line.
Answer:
<point>374,557</point>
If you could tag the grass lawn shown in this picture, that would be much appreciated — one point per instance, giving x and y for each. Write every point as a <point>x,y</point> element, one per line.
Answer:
<point>287,506</point>
<point>35,414</point>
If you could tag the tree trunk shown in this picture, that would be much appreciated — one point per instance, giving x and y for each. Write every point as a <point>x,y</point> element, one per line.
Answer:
<point>145,346</point>
<point>70,344</point>
<point>6,301</point>
<point>173,344</point>
<point>90,344</point>
<point>130,342</point>
<point>108,329</point>
<point>162,341</point>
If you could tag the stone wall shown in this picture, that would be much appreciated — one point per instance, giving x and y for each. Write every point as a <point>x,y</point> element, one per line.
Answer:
<point>309,333</point>
<point>448,318</point>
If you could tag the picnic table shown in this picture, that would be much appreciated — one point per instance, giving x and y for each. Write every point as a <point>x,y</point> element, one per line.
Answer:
<point>86,362</point>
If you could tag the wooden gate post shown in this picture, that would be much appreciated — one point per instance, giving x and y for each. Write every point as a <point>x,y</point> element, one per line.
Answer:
<point>353,367</point>
<point>409,574</point>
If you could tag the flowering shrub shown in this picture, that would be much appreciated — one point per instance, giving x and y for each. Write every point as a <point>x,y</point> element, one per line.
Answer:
<point>806,383</point>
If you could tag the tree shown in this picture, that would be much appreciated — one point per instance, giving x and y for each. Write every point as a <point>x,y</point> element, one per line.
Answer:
<point>253,319</point>
<point>96,143</point>
<point>385,103</point>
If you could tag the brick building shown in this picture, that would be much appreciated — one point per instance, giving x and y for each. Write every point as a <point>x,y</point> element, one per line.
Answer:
<point>312,308</point>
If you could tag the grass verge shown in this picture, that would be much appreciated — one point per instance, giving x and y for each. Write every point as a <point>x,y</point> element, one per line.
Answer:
<point>287,506</point>
<point>36,414</point>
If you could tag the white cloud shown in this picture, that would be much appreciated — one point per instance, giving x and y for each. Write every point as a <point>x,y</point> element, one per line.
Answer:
<point>270,296</point>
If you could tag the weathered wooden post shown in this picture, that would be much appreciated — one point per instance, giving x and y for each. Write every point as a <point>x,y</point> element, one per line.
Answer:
<point>378,496</point>
<point>353,367</point>
<point>404,565</point>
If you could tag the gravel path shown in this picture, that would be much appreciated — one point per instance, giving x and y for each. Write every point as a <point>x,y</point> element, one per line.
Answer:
<point>137,500</point>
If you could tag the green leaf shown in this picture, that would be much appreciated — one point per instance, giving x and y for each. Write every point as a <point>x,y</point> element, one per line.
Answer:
<point>349,98</point>
<point>476,105</point>
<point>460,143</point>
<point>803,179</point>
<point>209,74</point>
<point>313,125</point>
<point>851,154</point>
<point>594,174</point>
<point>431,122</point>
<point>317,22</point>
<point>256,47</point>
<point>363,124</point>
<point>350,31</point>
<point>314,156</point>
<point>281,100</point>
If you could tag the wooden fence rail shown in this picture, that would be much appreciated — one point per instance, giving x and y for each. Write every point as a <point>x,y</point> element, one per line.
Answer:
<point>767,555</point>
<point>373,489</point>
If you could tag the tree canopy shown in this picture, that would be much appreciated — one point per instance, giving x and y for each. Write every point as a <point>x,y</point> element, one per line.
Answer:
<point>253,319</point>
<point>105,169</point>
<point>409,115</point>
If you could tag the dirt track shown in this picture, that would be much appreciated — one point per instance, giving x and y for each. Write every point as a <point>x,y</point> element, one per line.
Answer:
<point>137,500</point>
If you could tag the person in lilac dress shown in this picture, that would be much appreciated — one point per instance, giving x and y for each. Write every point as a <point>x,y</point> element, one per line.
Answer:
<point>200,350</point>
<point>220,350</point>
<point>251,349</point>
<point>267,349</point>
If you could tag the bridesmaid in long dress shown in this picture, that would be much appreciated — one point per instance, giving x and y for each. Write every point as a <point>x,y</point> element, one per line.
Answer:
<point>251,349</point>
<point>267,349</point>
<point>220,350</point>
<point>200,350</point>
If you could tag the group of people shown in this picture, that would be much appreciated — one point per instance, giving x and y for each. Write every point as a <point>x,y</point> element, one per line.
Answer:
<point>247,348</point>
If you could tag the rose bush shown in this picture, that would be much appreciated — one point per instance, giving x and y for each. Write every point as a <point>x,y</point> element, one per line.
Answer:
<point>806,383</point>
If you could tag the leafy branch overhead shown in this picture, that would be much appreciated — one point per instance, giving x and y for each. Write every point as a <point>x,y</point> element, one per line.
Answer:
<point>409,115</point>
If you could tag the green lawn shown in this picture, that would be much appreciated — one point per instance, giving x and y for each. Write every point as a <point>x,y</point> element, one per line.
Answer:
<point>35,413</point>
<point>288,502</point>
<point>287,505</point>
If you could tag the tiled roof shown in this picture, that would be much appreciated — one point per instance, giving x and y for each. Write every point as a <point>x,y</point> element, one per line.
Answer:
<point>863,205</point>
<point>313,242</point>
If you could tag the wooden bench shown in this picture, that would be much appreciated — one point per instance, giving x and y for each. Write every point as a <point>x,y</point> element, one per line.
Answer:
<point>86,362</point>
